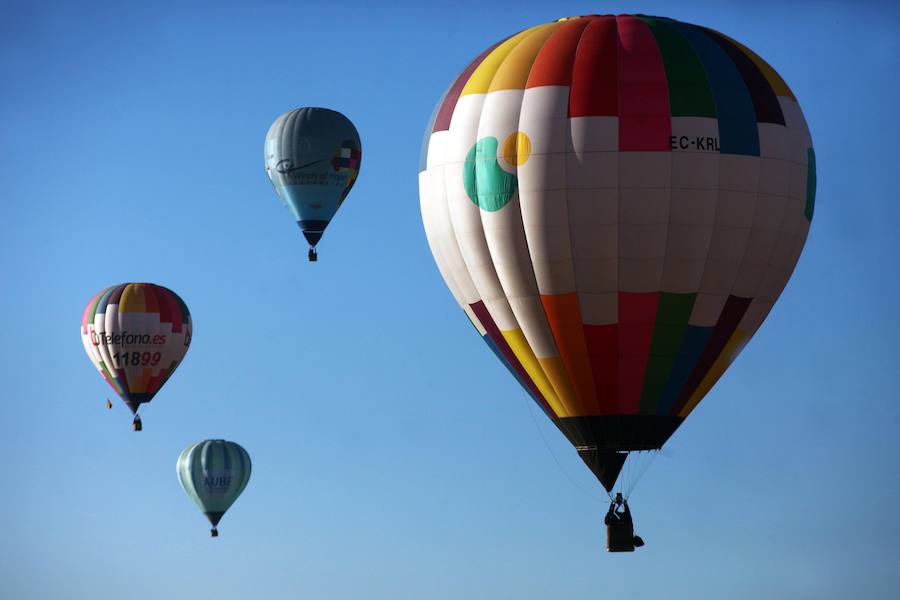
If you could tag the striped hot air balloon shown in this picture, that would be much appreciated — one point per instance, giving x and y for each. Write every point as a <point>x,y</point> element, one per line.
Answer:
<point>136,334</point>
<point>616,202</point>
<point>313,157</point>
<point>213,474</point>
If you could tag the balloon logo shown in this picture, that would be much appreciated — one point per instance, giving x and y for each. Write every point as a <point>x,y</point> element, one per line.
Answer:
<point>616,203</point>
<point>136,335</point>
<point>487,183</point>
<point>213,474</point>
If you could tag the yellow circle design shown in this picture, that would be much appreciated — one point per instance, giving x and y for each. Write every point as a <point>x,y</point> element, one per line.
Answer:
<point>517,148</point>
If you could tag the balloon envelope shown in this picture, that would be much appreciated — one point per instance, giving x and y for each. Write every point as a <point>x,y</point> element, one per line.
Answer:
<point>136,334</point>
<point>312,158</point>
<point>616,202</point>
<point>213,474</point>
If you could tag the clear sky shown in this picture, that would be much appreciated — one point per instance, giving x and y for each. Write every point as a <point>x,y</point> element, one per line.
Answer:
<point>394,457</point>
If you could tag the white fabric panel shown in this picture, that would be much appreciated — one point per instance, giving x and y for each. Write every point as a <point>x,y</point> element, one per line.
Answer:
<point>799,137</point>
<point>707,308</point>
<point>695,171</point>
<point>593,134</point>
<point>774,185</point>
<point>543,118</point>
<point>687,130</point>
<point>693,207</point>
<point>592,170</point>
<point>432,202</point>
<point>599,309</point>
<point>504,229</point>
<point>774,176</point>
<point>755,315</point>
<point>445,237</point>
<point>93,351</point>
<point>104,324</point>
<point>546,222</point>
<point>436,154</point>
<point>738,173</point>
<point>431,197</point>
<point>465,220</point>
<point>592,175</point>
<point>774,141</point>
<point>645,170</point>
<point>644,198</point>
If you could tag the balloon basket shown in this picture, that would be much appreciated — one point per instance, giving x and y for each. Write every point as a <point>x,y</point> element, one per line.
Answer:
<point>213,532</point>
<point>313,257</point>
<point>619,538</point>
<point>136,425</point>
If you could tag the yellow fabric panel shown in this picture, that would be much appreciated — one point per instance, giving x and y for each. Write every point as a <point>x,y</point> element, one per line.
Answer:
<point>559,378</point>
<point>517,148</point>
<point>778,84</point>
<point>132,299</point>
<point>481,79</point>
<point>729,353</point>
<point>144,382</point>
<point>519,346</point>
<point>512,73</point>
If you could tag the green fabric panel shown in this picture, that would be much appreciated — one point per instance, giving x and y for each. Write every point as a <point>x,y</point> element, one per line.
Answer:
<point>810,184</point>
<point>183,468</point>
<point>487,184</point>
<point>689,91</point>
<point>672,317</point>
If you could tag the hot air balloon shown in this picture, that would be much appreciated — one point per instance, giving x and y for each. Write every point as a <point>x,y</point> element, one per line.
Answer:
<point>213,474</point>
<point>136,334</point>
<point>312,158</point>
<point>616,202</point>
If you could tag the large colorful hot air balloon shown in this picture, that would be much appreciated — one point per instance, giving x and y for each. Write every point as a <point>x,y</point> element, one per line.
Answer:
<point>616,202</point>
<point>312,158</point>
<point>136,334</point>
<point>213,474</point>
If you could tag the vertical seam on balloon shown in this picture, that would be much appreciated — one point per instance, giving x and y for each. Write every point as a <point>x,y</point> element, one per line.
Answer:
<point>666,405</point>
<point>671,156</point>
<point>565,396</point>
<point>454,239</point>
<point>488,246</point>
<point>567,128</point>
<point>761,96</point>
<point>715,99</point>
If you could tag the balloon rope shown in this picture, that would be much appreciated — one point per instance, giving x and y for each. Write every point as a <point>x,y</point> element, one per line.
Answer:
<point>529,402</point>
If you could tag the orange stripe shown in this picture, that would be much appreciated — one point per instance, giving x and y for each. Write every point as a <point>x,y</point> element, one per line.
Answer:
<point>513,72</point>
<point>553,65</point>
<point>564,316</point>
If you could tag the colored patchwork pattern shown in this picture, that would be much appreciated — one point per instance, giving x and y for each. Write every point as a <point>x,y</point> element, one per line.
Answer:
<point>136,335</point>
<point>313,157</point>
<point>616,202</point>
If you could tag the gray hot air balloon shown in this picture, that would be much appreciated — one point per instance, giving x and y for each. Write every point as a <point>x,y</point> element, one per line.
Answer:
<point>312,158</point>
<point>213,474</point>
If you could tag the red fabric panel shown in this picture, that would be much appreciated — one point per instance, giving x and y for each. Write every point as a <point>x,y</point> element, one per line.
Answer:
<point>603,351</point>
<point>594,74</point>
<point>637,315</point>
<point>553,64</point>
<point>645,120</point>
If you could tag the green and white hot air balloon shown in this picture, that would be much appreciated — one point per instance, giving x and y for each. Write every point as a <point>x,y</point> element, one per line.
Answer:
<point>213,474</point>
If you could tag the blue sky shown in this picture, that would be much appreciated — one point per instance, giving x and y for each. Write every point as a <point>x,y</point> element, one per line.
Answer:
<point>393,456</point>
